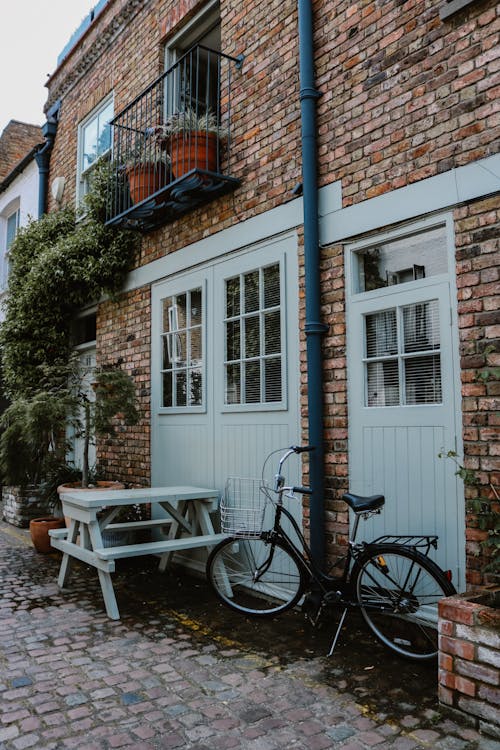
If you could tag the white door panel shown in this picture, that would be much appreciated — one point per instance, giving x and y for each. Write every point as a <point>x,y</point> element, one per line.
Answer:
<point>207,444</point>
<point>394,448</point>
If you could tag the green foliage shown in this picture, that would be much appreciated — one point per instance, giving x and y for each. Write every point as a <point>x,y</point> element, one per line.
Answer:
<point>486,510</point>
<point>57,265</point>
<point>29,440</point>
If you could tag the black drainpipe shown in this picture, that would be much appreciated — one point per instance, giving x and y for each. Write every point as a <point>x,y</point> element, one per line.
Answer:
<point>42,157</point>
<point>313,327</point>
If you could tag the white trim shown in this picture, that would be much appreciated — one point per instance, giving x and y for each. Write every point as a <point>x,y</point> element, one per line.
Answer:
<point>245,234</point>
<point>436,193</point>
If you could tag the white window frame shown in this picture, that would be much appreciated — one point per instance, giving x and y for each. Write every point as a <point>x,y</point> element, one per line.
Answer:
<point>13,212</point>
<point>83,174</point>
<point>260,406</point>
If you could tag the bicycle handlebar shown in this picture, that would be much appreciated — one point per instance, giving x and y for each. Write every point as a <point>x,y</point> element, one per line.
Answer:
<point>302,448</point>
<point>302,490</point>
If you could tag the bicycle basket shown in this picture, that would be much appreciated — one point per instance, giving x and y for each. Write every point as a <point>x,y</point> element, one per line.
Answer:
<point>242,507</point>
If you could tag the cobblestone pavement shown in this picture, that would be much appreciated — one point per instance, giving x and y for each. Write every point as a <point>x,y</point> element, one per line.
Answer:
<point>180,671</point>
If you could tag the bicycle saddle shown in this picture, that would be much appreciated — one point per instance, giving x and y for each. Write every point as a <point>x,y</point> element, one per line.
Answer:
<point>361,504</point>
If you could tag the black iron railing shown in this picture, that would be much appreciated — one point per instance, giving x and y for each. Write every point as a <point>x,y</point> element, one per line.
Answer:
<point>172,145</point>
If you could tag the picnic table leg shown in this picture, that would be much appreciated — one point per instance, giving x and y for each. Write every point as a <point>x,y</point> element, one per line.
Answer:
<point>108,592</point>
<point>65,569</point>
<point>174,533</point>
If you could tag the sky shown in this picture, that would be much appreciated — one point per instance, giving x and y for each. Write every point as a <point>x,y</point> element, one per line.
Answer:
<point>32,35</point>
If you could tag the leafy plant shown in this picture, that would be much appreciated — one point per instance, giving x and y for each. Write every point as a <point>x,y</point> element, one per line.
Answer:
<point>115,402</point>
<point>58,264</point>
<point>191,119</point>
<point>486,510</point>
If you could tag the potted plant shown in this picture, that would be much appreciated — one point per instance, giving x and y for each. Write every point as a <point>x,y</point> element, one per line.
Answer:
<point>146,168</point>
<point>30,448</point>
<point>192,139</point>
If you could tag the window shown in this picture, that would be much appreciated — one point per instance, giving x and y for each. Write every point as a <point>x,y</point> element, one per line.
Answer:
<point>195,84</point>
<point>11,227</point>
<point>182,338</point>
<point>402,356</point>
<point>253,361</point>
<point>94,142</point>
<point>394,262</point>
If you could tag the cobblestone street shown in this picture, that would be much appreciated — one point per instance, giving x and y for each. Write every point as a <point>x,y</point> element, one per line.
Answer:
<point>179,671</point>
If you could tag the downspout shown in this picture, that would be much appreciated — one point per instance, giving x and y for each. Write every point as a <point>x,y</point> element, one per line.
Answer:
<point>42,157</point>
<point>314,328</point>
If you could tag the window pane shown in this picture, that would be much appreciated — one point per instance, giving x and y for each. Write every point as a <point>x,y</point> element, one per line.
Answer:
<point>423,380</point>
<point>272,379</point>
<point>383,383</point>
<point>104,129</point>
<point>196,307</point>
<point>233,297</point>
<point>89,144</point>
<point>12,225</point>
<point>167,352</point>
<point>196,347</point>
<point>251,281</point>
<point>180,388</point>
<point>272,286</point>
<point>195,392</point>
<point>402,260</point>
<point>252,382</point>
<point>272,332</point>
<point>252,337</point>
<point>167,389</point>
<point>421,326</point>
<point>166,304</point>
<point>180,312</point>
<point>233,384</point>
<point>233,348</point>
<point>381,334</point>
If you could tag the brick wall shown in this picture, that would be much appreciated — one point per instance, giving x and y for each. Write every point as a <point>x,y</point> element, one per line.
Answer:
<point>124,338</point>
<point>477,228</point>
<point>404,96</point>
<point>469,660</point>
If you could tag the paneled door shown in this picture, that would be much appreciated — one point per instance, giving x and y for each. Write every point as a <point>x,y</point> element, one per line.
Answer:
<point>403,392</point>
<point>225,367</point>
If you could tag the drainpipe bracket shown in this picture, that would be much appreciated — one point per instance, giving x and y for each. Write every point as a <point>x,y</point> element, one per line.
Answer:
<point>309,92</point>
<point>315,327</point>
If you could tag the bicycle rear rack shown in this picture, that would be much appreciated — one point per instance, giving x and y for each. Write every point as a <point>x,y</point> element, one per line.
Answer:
<point>411,540</point>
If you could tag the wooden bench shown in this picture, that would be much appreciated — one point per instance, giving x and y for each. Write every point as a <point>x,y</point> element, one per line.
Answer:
<point>158,548</point>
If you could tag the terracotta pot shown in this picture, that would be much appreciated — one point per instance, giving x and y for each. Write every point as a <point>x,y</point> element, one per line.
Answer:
<point>193,150</point>
<point>39,530</point>
<point>145,179</point>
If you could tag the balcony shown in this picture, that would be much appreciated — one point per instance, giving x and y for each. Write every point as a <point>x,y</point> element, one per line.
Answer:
<point>172,145</point>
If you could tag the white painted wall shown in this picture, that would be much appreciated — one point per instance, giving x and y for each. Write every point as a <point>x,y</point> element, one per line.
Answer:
<point>22,193</point>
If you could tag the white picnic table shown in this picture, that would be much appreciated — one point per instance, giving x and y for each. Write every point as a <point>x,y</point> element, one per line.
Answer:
<point>91,512</point>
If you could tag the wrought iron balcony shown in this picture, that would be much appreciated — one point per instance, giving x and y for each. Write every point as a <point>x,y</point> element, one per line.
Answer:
<point>172,145</point>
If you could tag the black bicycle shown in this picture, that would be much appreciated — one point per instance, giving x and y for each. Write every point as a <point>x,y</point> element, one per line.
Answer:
<point>263,572</point>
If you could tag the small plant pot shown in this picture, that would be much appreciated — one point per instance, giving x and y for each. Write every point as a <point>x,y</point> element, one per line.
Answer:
<point>39,530</point>
<point>196,149</point>
<point>145,179</point>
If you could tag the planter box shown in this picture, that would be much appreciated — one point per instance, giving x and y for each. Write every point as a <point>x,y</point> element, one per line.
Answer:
<point>469,657</point>
<point>22,506</point>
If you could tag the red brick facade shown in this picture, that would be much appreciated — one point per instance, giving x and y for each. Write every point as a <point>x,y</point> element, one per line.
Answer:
<point>405,96</point>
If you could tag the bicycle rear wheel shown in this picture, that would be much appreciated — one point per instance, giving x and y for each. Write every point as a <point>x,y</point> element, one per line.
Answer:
<point>398,589</point>
<point>254,576</point>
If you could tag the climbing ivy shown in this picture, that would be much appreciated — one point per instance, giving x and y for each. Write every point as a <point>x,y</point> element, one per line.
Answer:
<point>58,264</point>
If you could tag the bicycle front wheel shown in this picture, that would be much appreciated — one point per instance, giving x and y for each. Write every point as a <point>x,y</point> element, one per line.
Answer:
<point>398,590</point>
<point>255,577</point>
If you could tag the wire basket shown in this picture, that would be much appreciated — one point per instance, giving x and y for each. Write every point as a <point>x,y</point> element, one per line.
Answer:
<point>242,507</point>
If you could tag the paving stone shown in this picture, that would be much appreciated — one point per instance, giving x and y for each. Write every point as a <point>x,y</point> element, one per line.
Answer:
<point>165,677</point>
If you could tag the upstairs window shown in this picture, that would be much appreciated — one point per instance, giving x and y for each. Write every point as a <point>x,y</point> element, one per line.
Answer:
<point>94,142</point>
<point>196,82</point>
<point>11,227</point>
